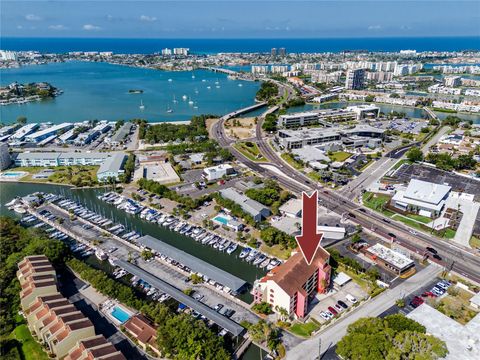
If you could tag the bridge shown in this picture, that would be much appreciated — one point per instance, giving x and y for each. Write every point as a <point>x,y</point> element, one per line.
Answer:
<point>221,70</point>
<point>244,110</point>
<point>430,113</point>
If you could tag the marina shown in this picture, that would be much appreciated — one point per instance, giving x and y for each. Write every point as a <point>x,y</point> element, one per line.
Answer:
<point>41,213</point>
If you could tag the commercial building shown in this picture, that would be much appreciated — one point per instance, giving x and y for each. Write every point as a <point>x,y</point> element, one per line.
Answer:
<point>422,197</point>
<point>316,117</point>
<point>366,111</point>
<point>355,79</point>
<point>296,139</point>
<point>48,132</point>
<point>462,340</point>
<point>217,172</point>
<point>293,284</point>
<point>5,159</point>
<point>112,167</point>
<point>251,207</point>
<point>389,259</point>
<point>53,320</point>
<point>292,208</point>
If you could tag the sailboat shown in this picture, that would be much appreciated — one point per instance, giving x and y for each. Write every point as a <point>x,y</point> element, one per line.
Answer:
<point>184,97</point>
<point>169,109</point>
<point>193,76</point>
<point>174,100</point>
<point>141,105</point>
<point>170,80</point>
<point>190,102</point>
<point>196,91</point>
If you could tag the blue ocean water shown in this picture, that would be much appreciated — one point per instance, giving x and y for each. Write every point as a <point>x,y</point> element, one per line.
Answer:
<point>141,46</point>
<point>101,91</point>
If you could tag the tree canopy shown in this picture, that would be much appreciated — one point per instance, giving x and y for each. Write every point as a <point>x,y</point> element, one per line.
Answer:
<point>415,154</point>
<point>394,337</point>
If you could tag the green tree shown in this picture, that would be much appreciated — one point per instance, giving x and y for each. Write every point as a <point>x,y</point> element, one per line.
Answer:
<point>414,154</point>
<point>21,120</point>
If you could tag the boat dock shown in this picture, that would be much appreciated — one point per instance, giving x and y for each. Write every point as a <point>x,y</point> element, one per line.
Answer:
<point>230,325</point>
<point>197,265</point>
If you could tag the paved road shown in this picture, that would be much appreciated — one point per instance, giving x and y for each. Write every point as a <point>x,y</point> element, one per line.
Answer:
<point>456,258</point>
<point>374,307</point>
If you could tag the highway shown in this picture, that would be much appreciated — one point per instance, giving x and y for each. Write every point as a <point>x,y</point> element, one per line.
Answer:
<point>453,256</point>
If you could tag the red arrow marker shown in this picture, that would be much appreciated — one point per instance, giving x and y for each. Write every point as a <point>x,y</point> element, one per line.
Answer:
<point>309,240</point>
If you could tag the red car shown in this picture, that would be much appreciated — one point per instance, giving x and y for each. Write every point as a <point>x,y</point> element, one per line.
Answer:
<point>417,301</point>
<point>428,294</point>
<point>332,310</point>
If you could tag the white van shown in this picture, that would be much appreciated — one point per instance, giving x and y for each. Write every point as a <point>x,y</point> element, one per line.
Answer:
<point>351,298</point>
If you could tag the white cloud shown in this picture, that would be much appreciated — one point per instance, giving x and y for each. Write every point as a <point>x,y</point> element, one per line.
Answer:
<point>90,27</point>
<point>375,27</point>
<point>32,17</point>
<point>147,18</point>
<point>19,27</point>
<point>58,27</point>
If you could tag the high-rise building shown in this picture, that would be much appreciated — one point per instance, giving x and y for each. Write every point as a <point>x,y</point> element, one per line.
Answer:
<point>282,52</point>
<point>181,51</point>
<point>166,52</point>
<point>453,81</point>
<point>5,159</point>
<point>355,79</point>
<point>273,52</point>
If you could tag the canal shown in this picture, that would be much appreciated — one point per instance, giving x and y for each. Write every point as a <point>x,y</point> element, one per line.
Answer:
<point>88,197</point>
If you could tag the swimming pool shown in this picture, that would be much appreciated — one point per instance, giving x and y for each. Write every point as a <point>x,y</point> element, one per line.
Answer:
<point>12,174</point>
<point>221,219</point>
<point>120,314</point>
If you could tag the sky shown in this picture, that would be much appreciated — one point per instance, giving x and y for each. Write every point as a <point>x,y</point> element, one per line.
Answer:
<point>239,19</point>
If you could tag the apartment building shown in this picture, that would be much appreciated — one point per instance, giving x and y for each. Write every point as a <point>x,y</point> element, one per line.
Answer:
<point>355,79</point>
<point>293,284</point>
<point>53,321</point>
<point>143,331</point>
<point>96,347</point>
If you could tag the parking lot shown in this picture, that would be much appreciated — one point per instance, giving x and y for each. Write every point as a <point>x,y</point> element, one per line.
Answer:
<point>323,302</point>
<point>458,183</point>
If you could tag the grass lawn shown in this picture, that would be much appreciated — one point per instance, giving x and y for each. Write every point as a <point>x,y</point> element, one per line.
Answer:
<point>358,278</point>
<point>31,350</point>
<point>475,242</point>
<point>422,219</point>
<point>276,251</point>
<point>339,156</point>
<point>250,150</point>
<point>289,159</point>
<point>457,306</point>
<point>367,164</point>
<point>304,330</point>
<point>76,175</point>
<point>376,202</point>
<point>447,233</point>
<point>399,163</point>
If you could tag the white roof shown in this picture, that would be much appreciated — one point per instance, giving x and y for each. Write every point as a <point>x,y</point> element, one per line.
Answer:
<point>217,168</point>
<point>292,206</point>
<point>463,341</point>
<point>476,299</point>
<point>400,198</point>
<point>426,191</point>
<point>341,279</point>
<point>394,258</point>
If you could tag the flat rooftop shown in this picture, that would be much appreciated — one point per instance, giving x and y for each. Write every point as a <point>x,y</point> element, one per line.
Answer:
<point>194,263</point>
<point>463,341</point>
<point>394,258</point>
<point>230,325</point>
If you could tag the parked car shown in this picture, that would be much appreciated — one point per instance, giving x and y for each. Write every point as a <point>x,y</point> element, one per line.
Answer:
<point>218,307</point>
<point>332,310</point>
<point>338,307</point>
<point>342,304</point>
<point>324,316</point>
<point>351,298</point>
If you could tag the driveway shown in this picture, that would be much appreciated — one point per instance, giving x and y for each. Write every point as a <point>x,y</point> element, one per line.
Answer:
<point>333,334</point>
